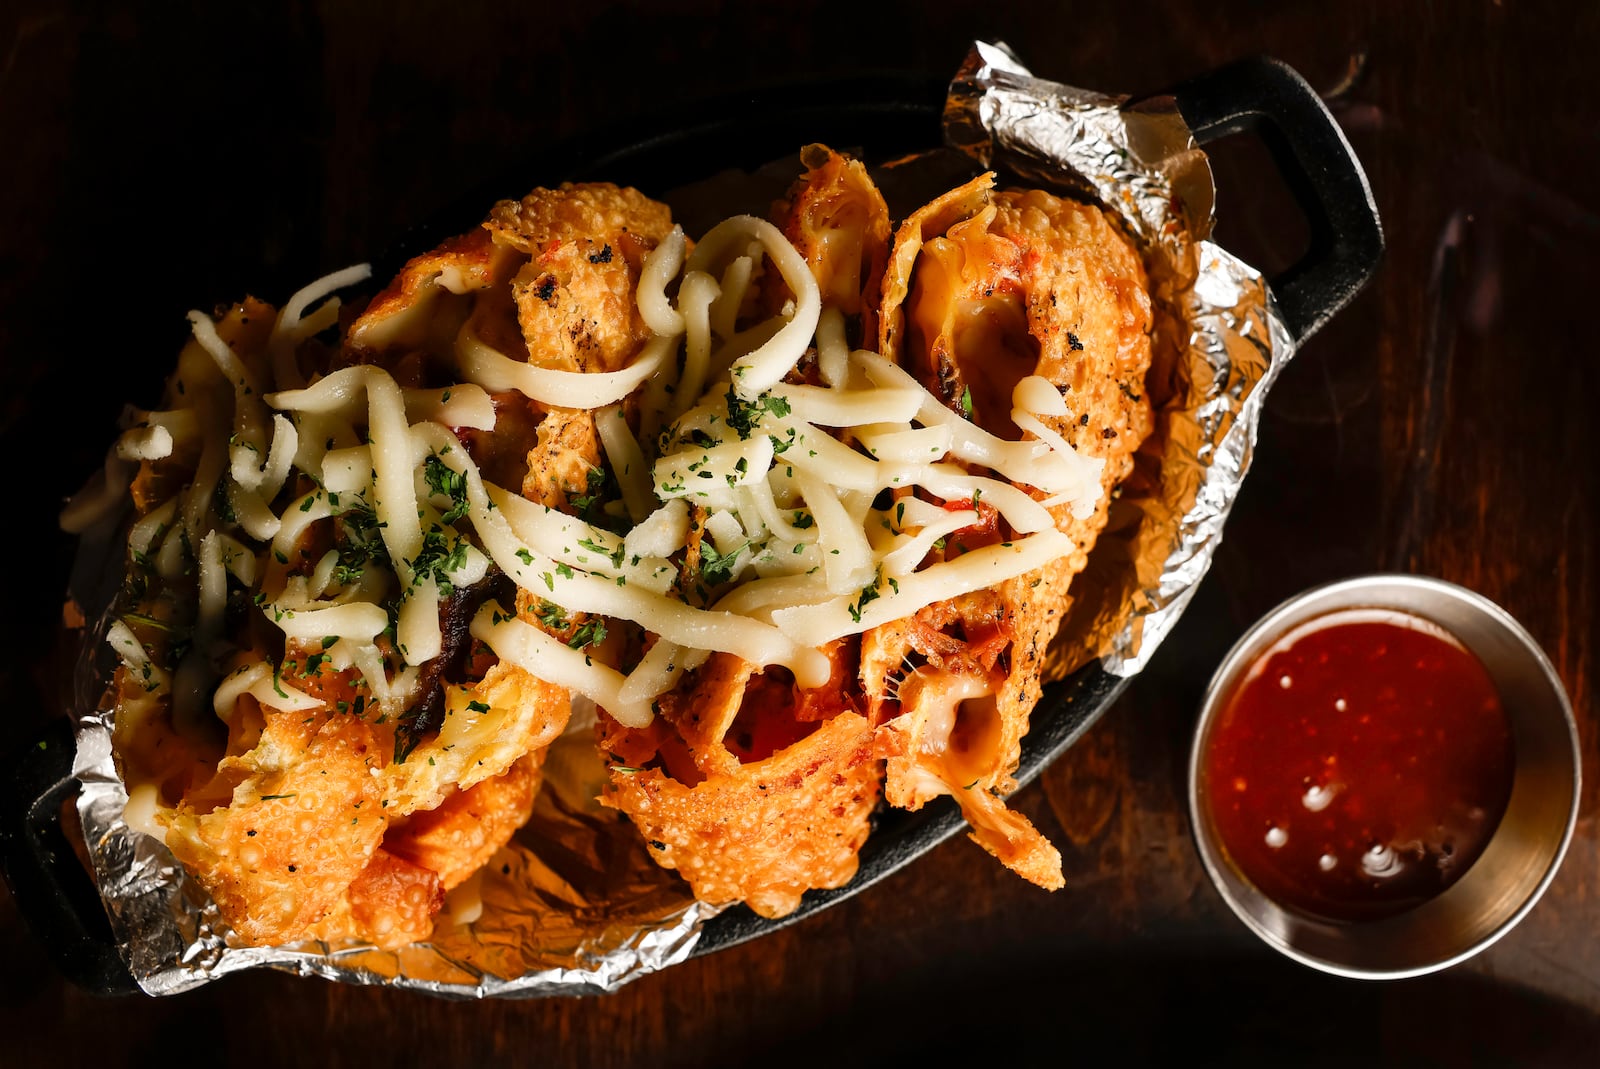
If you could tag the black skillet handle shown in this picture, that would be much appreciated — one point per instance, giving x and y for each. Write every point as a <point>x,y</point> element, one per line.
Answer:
<point>1268,97</point>
<point>51,890</point>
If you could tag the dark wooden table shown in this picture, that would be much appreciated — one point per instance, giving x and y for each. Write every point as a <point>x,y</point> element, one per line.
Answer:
<point>166,156</point>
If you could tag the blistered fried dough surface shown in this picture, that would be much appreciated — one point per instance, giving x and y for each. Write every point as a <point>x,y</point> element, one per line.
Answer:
<point>574,212</point>
<point>838,221</point>
<point>575,294</point>
<point>464,831</point>
<point>404,317</point>
<point>757,789</point>
<point>1088,310</point>
<point>390,903</point>
<point>287,827</point>
<point>769,831</point>
<point>287,839</point>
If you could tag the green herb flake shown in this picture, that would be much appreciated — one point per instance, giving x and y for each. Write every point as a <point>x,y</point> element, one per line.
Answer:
<point>592,633</point>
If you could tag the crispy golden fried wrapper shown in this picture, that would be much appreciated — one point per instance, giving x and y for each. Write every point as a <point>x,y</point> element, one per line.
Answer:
<point>344,821</point>
<point>1089,313</point>
<point>984,289</point>
<point>952,688</point>
<point>591,210</point>
<point>390,903</point>
<point>743,808</point>
<point>462,833</point>
<point>837,219</point>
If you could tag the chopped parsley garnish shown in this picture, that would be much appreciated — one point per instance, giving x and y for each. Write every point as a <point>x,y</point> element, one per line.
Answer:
<point>869,594</point>
<point>438,558</point>
<point>744,415</point>
<point>360,543</point>
<point>718,567</point>
<point>592,633</point>
<point>552,615</point>
<point>595,480</point>
<point>446,482</point>
<point>615,555</point>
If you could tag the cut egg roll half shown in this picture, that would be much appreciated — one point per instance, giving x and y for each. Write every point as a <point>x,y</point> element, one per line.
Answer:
<point>1029,316</point>
<point>312,714</point>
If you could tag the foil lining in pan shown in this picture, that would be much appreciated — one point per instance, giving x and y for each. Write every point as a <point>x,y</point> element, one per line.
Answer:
<point>573,905</point>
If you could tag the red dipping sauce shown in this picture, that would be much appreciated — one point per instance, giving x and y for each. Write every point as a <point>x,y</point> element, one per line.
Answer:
<point>1360,767</point>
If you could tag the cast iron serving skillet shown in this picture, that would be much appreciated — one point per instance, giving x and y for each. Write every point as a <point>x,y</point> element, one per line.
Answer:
<point>886,117</point>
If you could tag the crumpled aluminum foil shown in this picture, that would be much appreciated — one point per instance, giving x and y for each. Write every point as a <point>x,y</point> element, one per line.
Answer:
<point>1216,319</point>
<point>572,906</point>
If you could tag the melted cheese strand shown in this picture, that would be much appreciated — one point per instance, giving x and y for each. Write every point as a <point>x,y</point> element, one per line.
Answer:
<point>907,554</point>
<point>497,373</point>
<point>276,694</point>
<point>299,516</point>
<point>222,354</point>
<point>833,352</point>
<point>697,472</point>
<point>850,408</point>
<point>287,331</point>
<point>662,533</point>
<point>280,458</point>
<point>357,620</point>
<point>778,520</point>
<point>695,296</point>
<point>661,267</point>
<point>295,307</point>
<point>462,405</point>
<point>144,443</point>
<point>758,371</point>
<point>656,674</point>
<point>417,631</point>
<point>1035,393</point>
<point>394,484</point>
<point>149,527</point>
<point>1025,462</point>
<point>815,625</point>
<point>735,284</point>
<point>1084,493</point>
<point>903,444</point>
<point>517,642</point>
<point>225,700</point>
<point>847,558</point>
<point>134,657</point>
<point>627,461</point>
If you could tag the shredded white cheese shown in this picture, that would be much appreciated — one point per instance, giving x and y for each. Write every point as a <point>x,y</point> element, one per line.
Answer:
<point>796,548</point>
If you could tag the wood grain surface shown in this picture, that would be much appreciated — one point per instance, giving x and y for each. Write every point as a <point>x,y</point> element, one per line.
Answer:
<point>172,155</point>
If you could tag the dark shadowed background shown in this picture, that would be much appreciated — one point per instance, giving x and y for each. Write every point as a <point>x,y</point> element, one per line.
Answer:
<point>168,156</point>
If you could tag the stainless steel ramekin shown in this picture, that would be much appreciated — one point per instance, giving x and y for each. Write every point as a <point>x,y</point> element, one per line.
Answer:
<point>1525,851</point>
